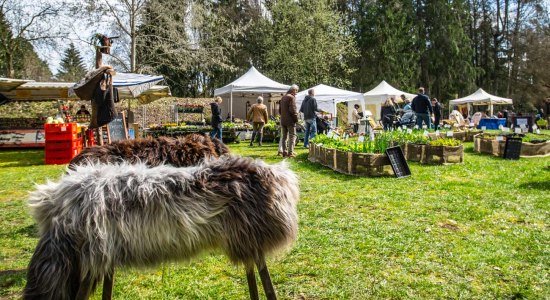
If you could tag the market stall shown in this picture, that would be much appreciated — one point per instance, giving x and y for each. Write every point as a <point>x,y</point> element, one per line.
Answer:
<point>480,97</point>
<point>327,97</point>
<point>241,93</point>
<point>377,96</point>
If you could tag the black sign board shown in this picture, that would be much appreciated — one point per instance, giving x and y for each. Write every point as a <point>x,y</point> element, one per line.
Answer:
<point>512,150</point>
<point>117,128</point>
<point>398,162</point>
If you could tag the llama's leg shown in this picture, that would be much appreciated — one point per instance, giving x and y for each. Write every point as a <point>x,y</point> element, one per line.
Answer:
<point>108,281</point>
<point>84,289</point>
<point>266,280</point>
<point>251,278</point>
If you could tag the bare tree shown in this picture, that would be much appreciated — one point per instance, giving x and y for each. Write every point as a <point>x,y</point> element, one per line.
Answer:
<point>27,22</point>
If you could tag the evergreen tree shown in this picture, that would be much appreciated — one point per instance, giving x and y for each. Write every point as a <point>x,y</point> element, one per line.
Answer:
<point>305,43</point>
<point>72,65</point>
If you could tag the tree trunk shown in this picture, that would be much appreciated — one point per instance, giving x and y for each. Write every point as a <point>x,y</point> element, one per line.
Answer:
<point>133,38</point>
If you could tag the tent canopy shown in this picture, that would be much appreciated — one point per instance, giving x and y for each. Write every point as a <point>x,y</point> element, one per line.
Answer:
<point>480,97</point>
<point>134,84</point>
<point>328,96</point>
<point>377,96</point>
<point>129,86</point>
<point>384,90</point>
<point>252,81</point>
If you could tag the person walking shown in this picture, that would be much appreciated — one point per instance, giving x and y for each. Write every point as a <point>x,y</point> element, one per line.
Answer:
<point>422,108</point>
<point>258,116</point>
<point>308,108</point>
<point>436,107</point>
<point>289,118</point>
<point>216,120</point>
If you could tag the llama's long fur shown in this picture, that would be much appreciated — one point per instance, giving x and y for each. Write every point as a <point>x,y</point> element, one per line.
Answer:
<point>183,151</point>
<point>100,216</point>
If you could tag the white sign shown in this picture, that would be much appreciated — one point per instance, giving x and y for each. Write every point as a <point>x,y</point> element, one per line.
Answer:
<point>537,131</point>
<point>437,132</point>
<point>361,138</point>
<point>517,130</point>
<point>483,127</point>
<point>415,126</point>
<point>500,127</point>
<point>329,134</point>
<point>500,138</point>
<point>425,133</point>
<point>424,126</point>
<point>449,133</point>
<point>505,129</point>
<point>521,121</point>
<point>535,126</point>
<point>449,126</point>
<point>472,124</point>
<point>522,126</point>
<point>404,127</point>
<point>409,130</point>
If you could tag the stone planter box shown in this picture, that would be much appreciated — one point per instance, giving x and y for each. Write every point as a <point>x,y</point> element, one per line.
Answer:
<point>415,152</point>
<point>360,164</point>
<point>443,155</point>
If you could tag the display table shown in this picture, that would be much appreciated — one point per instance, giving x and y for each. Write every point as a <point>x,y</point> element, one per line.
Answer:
<point>491,123</point>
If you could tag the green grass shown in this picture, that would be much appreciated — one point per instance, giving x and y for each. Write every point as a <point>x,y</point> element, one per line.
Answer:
<point>477,230</point>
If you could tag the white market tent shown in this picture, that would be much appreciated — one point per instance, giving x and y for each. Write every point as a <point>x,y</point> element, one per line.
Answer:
<point>377,96</point>
<point>481,97</point>
<point>251,82</point>
<point>327,97</point>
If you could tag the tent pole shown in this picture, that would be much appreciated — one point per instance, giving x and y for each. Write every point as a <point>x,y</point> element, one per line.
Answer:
<point>335,112</point>
<point>231,105</point>
<point>491,109</point>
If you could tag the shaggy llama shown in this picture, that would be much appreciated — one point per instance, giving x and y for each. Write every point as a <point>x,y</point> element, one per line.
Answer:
<point>102,216</point>
<point>183,151</point>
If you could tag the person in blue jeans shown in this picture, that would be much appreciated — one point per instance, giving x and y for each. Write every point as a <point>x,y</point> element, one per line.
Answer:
<point>216,120</point>
<point>422,107</point>
<point>308,108</point>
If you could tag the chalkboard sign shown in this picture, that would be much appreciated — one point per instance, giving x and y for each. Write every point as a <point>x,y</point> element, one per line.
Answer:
<point>117,128</point>
<point>512,149</point>
<point>398,162</point>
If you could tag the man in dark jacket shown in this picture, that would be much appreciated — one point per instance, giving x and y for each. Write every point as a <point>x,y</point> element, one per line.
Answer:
<point>423,108</point>
<point>308,108</point>
<point>289,118</point>
<point>437,112</point>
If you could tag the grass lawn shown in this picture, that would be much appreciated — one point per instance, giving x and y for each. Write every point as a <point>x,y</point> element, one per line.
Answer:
<point>478,230</point>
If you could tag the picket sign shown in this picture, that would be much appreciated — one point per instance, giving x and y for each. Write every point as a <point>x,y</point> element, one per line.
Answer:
<point>361,138</point>
<point>517,130</point>
<point>449,133</point>
<point>500,138</point>
<point>483,128</point>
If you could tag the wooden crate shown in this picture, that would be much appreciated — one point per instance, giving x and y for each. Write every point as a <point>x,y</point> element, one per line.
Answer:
<point>415,152</point>
<point>443,155</point>
<point>538,149</point>
<point>370,164</point>
<point>489,146</point>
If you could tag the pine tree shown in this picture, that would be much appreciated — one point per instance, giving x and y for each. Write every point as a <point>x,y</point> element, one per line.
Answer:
<point>72,65</point>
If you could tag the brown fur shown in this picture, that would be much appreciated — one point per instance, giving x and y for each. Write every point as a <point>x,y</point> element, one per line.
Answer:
<point>183,151</point>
